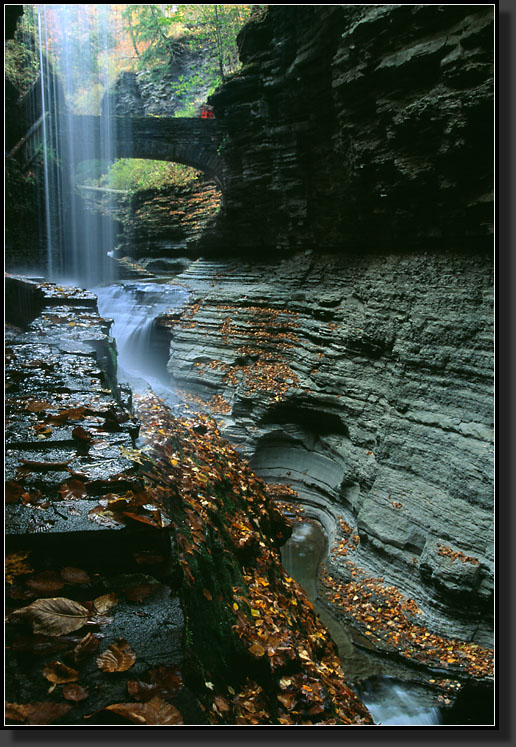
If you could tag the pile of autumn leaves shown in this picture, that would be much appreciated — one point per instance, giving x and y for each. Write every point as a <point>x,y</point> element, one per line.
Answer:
<point>301,680</point>
<point>196,486</point>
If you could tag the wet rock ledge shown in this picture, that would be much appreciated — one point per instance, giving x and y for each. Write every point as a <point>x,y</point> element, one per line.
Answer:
<point>143,581</point>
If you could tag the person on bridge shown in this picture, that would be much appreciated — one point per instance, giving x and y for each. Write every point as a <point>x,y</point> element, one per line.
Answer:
<point>207,112</point>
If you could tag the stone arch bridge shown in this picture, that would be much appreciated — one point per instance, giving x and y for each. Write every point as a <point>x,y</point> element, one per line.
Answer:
<point>190,141</point>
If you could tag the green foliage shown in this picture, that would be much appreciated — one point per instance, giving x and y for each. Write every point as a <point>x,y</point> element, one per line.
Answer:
<point>133,174</point>
<point>155,31</point>
<point>21,62</point>
<point>152,31</point>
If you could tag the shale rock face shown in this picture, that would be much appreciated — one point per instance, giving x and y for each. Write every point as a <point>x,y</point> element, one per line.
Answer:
<point>357,126</point>
<point>365,383</point>
<point>164,225</point>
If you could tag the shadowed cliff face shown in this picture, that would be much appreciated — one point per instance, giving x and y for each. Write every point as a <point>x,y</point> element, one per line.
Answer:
<point>359,126</point>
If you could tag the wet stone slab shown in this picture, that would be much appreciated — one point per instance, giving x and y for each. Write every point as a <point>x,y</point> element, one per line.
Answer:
<point>67,423</point>
<point>70,455</point>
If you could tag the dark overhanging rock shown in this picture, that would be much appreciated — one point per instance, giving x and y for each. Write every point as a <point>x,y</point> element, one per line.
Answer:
<point>356,128</point>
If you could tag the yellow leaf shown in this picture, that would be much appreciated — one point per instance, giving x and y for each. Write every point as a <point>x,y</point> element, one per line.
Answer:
<point>257,649</point>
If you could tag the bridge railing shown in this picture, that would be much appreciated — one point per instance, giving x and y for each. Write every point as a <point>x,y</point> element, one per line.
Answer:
<point>30,144</point>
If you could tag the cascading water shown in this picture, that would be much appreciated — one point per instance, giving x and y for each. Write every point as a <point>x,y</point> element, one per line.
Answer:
<point>78,241</point>
<point>134,306</point>
<point>390,701</point>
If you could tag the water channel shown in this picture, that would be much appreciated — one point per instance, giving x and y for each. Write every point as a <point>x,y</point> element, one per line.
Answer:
<point>391,700</point>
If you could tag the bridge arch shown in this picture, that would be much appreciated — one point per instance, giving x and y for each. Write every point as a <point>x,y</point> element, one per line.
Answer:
<point>191,141</point>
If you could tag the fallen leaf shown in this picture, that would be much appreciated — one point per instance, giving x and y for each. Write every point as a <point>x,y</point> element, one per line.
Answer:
<point>75,693</point>
<point>104,517</point>
<point>163,681</point>
<point>46,582</point>
<point>139,592</point>
<point>257,649</point>
<point>85,647</point>
<point>15,565</point>
<point>117,658</point>
<point>155,712</point>
<point>13,491</point>
<point>221,703</point>
<point>36,713</point>
<point>74,575</point>
<point>55,616</point>
<point>58,673</point>
<point>105,602</point>
<point>72,490</point>
<point>288,700</point>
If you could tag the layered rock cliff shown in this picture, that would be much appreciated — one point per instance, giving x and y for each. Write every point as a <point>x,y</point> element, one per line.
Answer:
<point>359,126</point>
<point>365,383</point>
<point>350,355</point>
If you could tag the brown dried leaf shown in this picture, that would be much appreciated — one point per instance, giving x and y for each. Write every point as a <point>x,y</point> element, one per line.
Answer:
<point>104,517</point>
<point>117,658</point>
<point>74,413</point>
<point>155,712</point>
<point>75,693</point>
<point>257,649</point>
<point>163,681</point>
<point>58,673</point>
<point>139,592</point>
<point>287,700</point>
<point>72,490</point>
<point>56,616</point>
<point>46,582</point>
<point>221,703</point>
<point>74,575</point>
<point>85,647</point>
<point>105,602</point>
<point>38,406</point>
<point>36,713</point>
<point>15,565</point>
<point>154,520</point>
<point>13,491</point>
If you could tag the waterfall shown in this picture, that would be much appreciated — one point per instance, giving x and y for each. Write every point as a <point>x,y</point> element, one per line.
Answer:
<point>134,307</point>
<point>78,241</point>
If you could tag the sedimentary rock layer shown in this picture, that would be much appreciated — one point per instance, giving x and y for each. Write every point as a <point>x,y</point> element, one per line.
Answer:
<point>365,383</point>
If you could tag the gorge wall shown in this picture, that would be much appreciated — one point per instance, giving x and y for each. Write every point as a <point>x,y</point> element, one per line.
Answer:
<point>350,353</point>
<point>359,126</point>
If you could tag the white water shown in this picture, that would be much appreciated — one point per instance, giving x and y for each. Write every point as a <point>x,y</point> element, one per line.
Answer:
<point>77,240</point>
<point>134,306</point>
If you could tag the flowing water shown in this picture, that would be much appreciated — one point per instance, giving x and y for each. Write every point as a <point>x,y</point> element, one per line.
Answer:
<point>134,307</point>
<point>391,701</point>
<point>78,240</point>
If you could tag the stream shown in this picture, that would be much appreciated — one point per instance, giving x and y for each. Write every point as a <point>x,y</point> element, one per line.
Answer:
<point>133,306</point>
<point>390,700</point>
